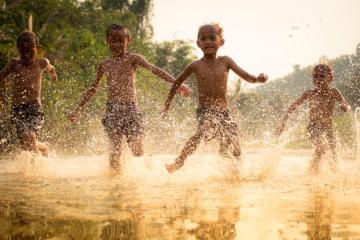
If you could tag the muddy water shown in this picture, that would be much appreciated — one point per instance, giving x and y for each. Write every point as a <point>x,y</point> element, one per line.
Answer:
<point>275,198</point>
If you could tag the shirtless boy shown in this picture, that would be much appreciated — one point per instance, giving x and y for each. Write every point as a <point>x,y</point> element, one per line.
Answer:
<point>211,72</point>
<point>27,113</point>
<point>322,99</point>
<point>123,117</point>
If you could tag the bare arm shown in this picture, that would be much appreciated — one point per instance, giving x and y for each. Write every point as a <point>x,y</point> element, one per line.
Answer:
<point>184,90</point>
<point>245,75</point>
<point>183,76</point>
<point>292,108</point>
<point>344,105</point>
<point>9,67</point>
<point>89,94</point>
<point>50,68</point>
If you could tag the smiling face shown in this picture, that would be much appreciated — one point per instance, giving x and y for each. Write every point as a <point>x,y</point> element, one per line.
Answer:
<point>209,40</point>
<point>118,41</point>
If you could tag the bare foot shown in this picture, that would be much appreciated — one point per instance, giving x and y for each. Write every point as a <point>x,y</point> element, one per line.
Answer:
<point>173,166</point>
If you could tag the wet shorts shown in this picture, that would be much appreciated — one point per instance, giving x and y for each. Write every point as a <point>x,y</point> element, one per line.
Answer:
<point>123,118</point>
<point>218,124</point>
<point>27,116</point>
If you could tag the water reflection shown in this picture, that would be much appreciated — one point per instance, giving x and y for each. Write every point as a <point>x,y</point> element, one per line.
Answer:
<point>60,200</point>
<point>319,215</point>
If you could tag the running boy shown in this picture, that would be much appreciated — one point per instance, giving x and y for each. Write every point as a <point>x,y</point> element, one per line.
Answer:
<point>27,113</point>
<point>322,99</point>
<point>123,117</point>
<point>211,72</point>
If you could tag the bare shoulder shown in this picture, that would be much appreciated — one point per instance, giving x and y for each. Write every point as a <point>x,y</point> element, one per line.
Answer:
<point>336,93</point>
<point>13,63</point>
<point>194,65</point>
<point>43,62</point>
<point>226,59</point>
<point>136,57</point>
<point>105,63</point>
<point>308,93</point>
<point>334,90</point>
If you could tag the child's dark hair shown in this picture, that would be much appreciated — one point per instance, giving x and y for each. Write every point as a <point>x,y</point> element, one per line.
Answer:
<point>27,36</point>
<point>117,27</point>
<point>323,69</point>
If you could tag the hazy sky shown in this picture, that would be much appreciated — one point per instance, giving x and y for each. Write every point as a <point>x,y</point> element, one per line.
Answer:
<point>266,35</point>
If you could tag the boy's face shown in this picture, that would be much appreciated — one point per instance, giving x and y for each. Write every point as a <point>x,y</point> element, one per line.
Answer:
<point>322,79</point>
<point>209,41</point>
<point>27,50</point>
<point>118,41</point>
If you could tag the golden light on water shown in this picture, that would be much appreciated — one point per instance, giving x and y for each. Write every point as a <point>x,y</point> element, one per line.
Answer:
<point>275,198</point>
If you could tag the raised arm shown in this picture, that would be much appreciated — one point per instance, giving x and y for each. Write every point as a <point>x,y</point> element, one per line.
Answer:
<point>183,76</point>
<point>292,108</point>
<point>245,75</point>
<point>141,61</point>
<point>344,105</point>
<point>50,68</point>
<point>89,94</point>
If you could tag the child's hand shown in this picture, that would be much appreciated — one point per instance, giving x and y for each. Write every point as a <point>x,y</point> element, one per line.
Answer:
<point>165,111</point>
<point>262,78</point>
<point>345,107</point>
<point>73,116</point>
<point>53,76</point>
<point>184,90</point>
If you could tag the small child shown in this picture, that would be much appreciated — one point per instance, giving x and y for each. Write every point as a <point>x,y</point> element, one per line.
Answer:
<point>322,101</point>
<point>122,117</point>
<point>211,72</point>
<point>27,113</point>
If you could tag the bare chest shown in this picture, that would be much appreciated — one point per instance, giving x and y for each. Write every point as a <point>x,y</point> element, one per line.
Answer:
<point>27,75</point>
<point>212,75</point>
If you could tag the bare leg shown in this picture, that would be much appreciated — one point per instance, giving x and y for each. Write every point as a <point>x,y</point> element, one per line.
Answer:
<point>332,144</point>
<point>2,98</point>
<point>115,150</point>
<point>224,147</point>
<point>319,152</point>
<point>189,148</point>
<point>43,148</point>
<point>230,145</point>
<point>136,145</point>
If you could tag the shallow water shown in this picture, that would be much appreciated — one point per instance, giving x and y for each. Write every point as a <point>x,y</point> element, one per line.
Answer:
<point>76,198</point>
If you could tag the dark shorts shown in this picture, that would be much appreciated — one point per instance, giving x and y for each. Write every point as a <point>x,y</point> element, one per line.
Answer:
<point>316,130</point>
<point>27,117</point>
<point>123,118</point>
<point>217,124</point>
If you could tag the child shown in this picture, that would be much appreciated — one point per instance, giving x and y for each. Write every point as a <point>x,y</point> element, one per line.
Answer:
<point>211,72</point>
<point>27,113</point>
<point>322,101</point>
<point>123,116</point>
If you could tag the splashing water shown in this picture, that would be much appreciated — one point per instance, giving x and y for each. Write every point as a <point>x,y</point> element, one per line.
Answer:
<point>76,198</point>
